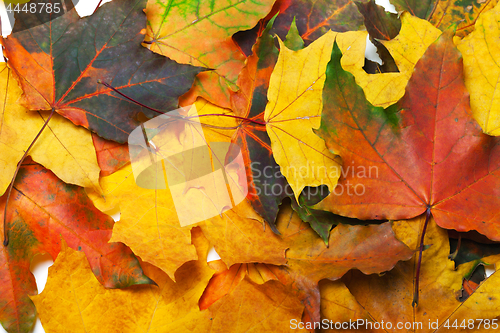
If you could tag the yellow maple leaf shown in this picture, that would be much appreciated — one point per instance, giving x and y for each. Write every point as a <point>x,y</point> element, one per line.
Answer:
<point>148,221</point>
<point>388,298</point>
<point>294,111</point>
<point>481,54</point>
<point>74,301</point>
<point>151,220</point>
<point>63,147</point>
<point>407,48</point>
<point>339,307</point>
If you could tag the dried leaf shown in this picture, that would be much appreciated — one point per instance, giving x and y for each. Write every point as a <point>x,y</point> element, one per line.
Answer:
<point>72,297</point>
<point>407,48</point>
<point>481,54</point>
<point>389,297</point>
<point>199,33</point>
<point>63,147</point>
<point>294,110</point>
<point>403,159</point>
<point>371,249</point>
<point>59,64</point>
<point>266,185</point>
<point>73,300</point>
<point>42,210</point>
<point>150,221</point>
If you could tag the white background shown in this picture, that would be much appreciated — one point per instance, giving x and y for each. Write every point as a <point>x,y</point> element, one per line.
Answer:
<point>41,263</point>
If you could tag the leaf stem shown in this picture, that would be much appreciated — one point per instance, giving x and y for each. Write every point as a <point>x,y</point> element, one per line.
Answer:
<point>419,263</point>
<point>98,5</point>
<point>129,98</point>
<point>230,116</point>
<point>11,185</point>
<point>158,111</point>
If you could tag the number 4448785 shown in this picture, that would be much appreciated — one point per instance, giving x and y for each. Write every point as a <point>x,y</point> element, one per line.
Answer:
<point>33,8</point>
<point>472,324</point>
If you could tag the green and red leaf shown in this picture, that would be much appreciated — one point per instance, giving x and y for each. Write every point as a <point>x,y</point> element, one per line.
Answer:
<point>424,152</point>
<point>199,33</point>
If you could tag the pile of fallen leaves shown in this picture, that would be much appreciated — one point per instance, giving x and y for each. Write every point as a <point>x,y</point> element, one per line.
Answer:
<point>372,190</point>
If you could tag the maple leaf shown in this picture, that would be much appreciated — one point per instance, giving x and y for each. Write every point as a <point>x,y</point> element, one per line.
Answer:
<point>64,148</point>
<point>168,307</point>
<point>59,63</point>
<point>388,298</point>
<point>309,260</point>
<point>443,14</point>
<point>43,210</point>
<point>413,148</point>
<point>339,307</point>
<point>384,89</point>
<point>371,249</point>
<point>293,111</point>
<point>111,156</point>
<point>267,186</point>
<point>199,33</point>
<point>482,70</point>
<point>424,154</point>
<point>73,297</point>
<point>313,19</point>
<point>150,221</point>
<point>239,237</point>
